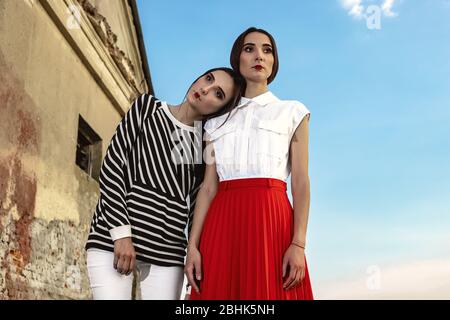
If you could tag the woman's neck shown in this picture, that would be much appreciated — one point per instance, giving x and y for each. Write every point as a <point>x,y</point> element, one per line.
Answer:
<point>186,114</point>
<point>255,89</point>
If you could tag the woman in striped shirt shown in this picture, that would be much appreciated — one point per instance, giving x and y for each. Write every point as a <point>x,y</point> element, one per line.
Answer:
<point>149,181</point>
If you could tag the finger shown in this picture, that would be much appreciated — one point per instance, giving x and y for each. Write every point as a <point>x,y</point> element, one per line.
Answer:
<point>292,285</point>
<point>290,278</point>
<point>284,268</point>
<point>126,265</point>
<point>190,276</point>
<point>303,274</point>
<point>287,281</point>
<point>116,260</point>
<point>121,264</point>
<point>198,270</point>
<point>132,264</point>
<point>294,280</point>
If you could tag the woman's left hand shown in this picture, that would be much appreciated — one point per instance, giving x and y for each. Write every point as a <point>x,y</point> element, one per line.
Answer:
<point>294,259</point>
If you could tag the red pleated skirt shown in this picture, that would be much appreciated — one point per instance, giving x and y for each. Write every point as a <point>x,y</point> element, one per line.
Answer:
<point>246,232</point>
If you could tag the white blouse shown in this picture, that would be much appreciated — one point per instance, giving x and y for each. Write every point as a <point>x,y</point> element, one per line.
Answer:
<point>254,141</point>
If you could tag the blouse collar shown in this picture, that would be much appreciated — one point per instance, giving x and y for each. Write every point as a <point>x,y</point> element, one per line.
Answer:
<point>262,99</point>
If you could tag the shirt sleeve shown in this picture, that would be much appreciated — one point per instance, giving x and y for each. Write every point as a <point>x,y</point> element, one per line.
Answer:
<point>208,129</point>
<point>300,111</point>
<point>193,200</point>
<point>199,175</point>
<point>112,204</point>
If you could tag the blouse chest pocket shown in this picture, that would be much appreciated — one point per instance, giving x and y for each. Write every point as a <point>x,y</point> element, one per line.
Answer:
<point>274,138</point>
<point>224,143</point>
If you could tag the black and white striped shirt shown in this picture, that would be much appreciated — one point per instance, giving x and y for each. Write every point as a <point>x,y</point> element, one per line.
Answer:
<point>146,191</point>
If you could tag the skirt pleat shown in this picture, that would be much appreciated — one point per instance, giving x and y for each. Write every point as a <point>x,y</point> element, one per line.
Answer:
<point>246,232</point>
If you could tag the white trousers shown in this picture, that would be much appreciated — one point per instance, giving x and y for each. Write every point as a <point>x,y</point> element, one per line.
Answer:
<point>156,282</point>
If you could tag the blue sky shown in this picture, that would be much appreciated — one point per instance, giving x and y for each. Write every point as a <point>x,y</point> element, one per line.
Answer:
<point>379,129</point>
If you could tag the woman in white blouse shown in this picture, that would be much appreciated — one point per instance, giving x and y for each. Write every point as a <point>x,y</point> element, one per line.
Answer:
<point>247,241</point>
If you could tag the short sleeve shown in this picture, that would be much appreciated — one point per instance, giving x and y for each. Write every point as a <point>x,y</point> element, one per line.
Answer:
<point>299,112</point>
<point>209,128</point>
<point>211,125</point>
<point>214,127</point>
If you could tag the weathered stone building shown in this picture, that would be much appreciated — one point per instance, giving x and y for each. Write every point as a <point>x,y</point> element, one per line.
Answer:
<point>69,70</point>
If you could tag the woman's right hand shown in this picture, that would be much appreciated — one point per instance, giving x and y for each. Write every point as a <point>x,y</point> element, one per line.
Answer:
<point>193,265</point>
<point>124,256</point>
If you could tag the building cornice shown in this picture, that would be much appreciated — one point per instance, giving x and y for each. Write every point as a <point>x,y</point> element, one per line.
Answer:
<point>91,37</point>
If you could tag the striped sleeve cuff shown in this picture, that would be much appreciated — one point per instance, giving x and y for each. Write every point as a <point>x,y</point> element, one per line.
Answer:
<point>120,232</point>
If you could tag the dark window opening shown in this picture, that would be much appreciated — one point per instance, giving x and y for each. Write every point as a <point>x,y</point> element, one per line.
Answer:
<point>89,149</point>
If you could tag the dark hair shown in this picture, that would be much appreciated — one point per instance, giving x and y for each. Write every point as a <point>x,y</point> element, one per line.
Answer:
<point>199,169</point>
<point>235,54</point>
<point>237,92</point>
<point>237,81</point>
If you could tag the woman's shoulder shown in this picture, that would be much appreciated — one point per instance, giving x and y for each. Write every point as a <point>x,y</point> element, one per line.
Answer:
<point>295,106</point>
<point>147,99</point>
<point>147,103</point>
<point>294,112</point>
<point>214,123</point>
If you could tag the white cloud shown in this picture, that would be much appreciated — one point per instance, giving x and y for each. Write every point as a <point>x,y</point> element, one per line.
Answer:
<point>387,8</point>
<point>424,279</point>
<point>354,7</point>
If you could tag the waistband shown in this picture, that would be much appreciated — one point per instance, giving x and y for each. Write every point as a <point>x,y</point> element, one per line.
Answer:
<point>252,182</point>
